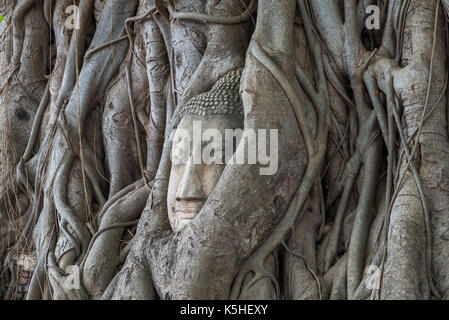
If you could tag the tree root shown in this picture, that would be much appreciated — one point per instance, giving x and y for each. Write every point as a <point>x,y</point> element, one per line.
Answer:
<point>316,155</point>
<point>21,8</point>
<point>211,19</point>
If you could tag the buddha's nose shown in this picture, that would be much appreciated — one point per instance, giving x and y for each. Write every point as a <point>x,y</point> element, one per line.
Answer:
<point>191,185</point>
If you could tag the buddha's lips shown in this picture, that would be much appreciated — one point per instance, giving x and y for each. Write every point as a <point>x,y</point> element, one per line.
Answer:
<point>188,211</point>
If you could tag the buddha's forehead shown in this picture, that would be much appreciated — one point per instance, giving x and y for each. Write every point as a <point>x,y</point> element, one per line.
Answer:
<point>218,122</point>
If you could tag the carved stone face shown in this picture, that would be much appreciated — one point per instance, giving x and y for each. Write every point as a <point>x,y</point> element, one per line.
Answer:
<point>191,182</point>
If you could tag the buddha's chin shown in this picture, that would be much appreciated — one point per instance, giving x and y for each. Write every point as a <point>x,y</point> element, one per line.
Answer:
<point>180,220</point>
<point>183,214</point>
<point>180,224</point>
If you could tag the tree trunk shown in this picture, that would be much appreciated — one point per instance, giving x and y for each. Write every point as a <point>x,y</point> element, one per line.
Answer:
<point>94,92</point>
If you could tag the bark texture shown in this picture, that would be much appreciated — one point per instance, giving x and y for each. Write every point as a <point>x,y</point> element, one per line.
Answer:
<point>359,205</point>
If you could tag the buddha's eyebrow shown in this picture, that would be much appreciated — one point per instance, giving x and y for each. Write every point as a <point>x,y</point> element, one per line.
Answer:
<point>181,139</point>
<point>176,146</point>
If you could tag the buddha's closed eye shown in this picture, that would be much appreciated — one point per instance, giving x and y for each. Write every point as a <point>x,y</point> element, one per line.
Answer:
<point>180,154</point>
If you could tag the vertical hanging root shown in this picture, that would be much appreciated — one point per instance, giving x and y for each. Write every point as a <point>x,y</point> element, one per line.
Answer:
<point>21,8</point>
<point>136,130</point>
<point>67,216</point>
<point>363,216</point>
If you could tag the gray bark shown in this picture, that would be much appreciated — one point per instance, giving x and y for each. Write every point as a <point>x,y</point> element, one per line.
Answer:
<point>361,115</point>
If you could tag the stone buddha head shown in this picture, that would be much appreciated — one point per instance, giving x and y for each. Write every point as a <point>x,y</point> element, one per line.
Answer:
<point>202,145</point>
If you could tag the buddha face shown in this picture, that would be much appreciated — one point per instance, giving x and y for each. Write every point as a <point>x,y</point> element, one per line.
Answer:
<point>192,181</point>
